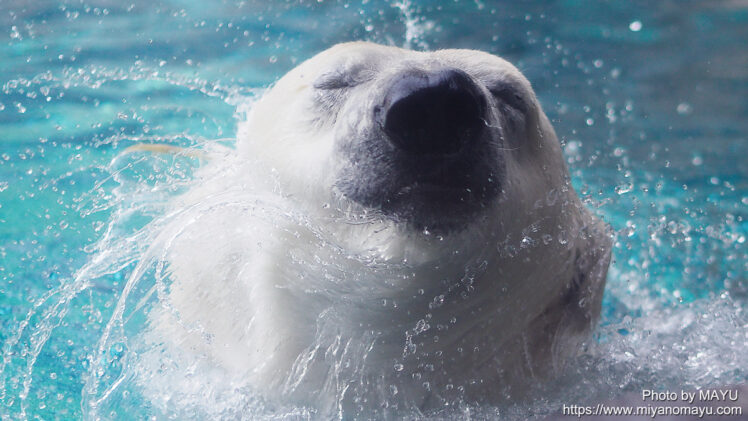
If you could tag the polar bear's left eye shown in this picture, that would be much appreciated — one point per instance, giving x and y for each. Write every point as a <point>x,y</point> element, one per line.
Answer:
<point>508,95</point>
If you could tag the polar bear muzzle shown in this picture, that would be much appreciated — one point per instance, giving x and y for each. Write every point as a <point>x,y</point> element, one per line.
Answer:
<point>430,157</point>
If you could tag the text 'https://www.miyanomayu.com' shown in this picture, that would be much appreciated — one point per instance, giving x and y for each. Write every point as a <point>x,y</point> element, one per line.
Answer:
<point>696,404</point>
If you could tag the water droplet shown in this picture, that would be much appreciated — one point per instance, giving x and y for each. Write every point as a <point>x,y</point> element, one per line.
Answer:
<point>624,188</point>
<point>437,302</point>
<point>421,327</point>
<point>684,108</point>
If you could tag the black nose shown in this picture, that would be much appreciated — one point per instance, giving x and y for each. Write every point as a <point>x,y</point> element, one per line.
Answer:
<point>434,113</point>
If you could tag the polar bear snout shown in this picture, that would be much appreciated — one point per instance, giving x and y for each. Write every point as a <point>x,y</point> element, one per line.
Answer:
<point>434,113</point>
<point>427,156</point>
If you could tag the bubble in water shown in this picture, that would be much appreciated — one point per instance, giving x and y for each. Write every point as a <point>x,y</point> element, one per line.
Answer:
<point>684,108</point>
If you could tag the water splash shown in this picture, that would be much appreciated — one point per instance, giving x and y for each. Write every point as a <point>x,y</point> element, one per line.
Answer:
<point>45,327</point>
<point>667,321</point>
<point>416,26</point>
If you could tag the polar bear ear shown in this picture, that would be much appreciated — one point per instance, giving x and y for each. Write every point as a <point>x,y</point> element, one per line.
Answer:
<point>560,328</point>
<point>582,299</point>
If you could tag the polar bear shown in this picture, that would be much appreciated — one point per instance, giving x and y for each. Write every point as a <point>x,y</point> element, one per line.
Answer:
<point>395,230</point>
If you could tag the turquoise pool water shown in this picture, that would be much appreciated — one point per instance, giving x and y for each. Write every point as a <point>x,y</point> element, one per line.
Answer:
<point>650,100</point>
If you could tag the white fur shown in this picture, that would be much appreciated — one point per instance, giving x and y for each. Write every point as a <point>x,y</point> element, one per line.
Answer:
<point>312,299</point>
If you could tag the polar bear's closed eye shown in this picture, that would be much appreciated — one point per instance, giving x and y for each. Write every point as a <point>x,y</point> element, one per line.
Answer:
<point>442,253</point>
<point>343,76</point>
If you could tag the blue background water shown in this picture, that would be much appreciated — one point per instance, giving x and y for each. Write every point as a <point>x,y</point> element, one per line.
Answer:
<point>650,100</point>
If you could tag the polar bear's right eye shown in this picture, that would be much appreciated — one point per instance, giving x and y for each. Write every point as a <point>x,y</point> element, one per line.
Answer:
<point>334,80</point>
<point>339,79</point>
<point>331,87</point>
<point>346,76</point>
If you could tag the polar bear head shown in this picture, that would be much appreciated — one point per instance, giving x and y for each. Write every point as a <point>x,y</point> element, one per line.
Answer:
<point>432,141</point>
<point>472,237</point>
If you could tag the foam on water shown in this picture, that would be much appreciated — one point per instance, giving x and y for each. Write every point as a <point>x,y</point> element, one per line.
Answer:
<point>77,338</point>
